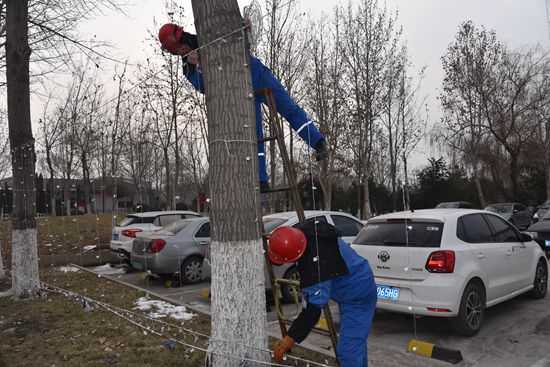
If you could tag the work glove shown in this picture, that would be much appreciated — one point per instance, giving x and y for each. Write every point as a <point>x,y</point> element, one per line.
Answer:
<point>281,347</point>
<point>321,151</point>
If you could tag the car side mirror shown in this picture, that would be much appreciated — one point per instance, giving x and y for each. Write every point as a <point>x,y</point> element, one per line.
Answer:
<point>526,237</point>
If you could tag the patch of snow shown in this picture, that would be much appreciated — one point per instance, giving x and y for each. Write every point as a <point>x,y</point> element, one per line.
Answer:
<point>160,309</point>
<point>48,244</point>
<point>68,269</point>
<point>108,269</point>
<point>89,247</point>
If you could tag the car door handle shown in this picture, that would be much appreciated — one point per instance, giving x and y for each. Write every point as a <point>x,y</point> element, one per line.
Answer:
<point>480,255</point>
<point>203,243</point>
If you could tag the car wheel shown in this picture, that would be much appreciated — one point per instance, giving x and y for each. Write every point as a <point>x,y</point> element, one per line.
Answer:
<point>288,290</point>
<point>191,270</point>
<point>541,280</point>
<point>472,310</point>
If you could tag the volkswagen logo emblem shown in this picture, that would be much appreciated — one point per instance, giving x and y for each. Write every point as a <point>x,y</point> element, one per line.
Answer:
<point>384,256</point>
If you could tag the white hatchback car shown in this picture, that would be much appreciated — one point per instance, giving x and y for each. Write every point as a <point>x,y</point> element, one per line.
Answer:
<point>142,223</point>
<point>450,263</point>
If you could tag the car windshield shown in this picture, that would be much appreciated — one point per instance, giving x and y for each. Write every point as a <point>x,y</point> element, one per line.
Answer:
<point>400,234</point>
<point>131,219</point>
<point>447,205</point>
<point>271,223</point>
<point>174,228</point>
<point>500,208</point>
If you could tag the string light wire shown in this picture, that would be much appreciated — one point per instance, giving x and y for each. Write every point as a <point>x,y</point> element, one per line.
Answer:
<point>129,315</point>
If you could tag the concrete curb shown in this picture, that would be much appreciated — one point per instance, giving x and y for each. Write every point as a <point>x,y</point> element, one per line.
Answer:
<point>433,351</point>
<point>87,258</point>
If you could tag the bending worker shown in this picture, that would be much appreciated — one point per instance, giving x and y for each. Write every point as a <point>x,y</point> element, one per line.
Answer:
<point>176,41</point>
<point>329,269</point>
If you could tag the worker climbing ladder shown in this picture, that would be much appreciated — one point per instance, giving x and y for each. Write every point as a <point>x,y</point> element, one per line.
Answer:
<point>277,129</point>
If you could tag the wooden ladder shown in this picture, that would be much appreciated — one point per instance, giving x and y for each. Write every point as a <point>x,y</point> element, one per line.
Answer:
<point>277,130</point>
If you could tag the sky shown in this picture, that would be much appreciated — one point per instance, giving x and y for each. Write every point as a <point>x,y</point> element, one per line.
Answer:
<point>428,27</point>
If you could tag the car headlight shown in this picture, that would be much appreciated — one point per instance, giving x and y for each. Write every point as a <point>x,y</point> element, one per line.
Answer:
<point>532,234</point>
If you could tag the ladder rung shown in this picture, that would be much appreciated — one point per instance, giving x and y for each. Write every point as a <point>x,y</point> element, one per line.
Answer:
<point>269,138</point>
<point>315,329</point>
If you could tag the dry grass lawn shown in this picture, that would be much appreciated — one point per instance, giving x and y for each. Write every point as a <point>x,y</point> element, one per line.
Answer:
<point>56,330</point>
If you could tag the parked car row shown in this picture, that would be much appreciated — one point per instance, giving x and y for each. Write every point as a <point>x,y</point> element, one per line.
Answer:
<point>348,226</point>
<point>542,210</point>
<point>451,263</point>
<point>517,214</point>
<point>182,248</point>
<point>130,227</point>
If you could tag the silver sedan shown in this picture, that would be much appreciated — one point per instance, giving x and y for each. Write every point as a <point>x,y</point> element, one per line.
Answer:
<point>177,248</point>
<point>348,226</point>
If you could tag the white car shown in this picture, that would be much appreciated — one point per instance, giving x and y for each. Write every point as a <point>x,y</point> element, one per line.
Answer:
<point>142,223</point>
<point>347,225</point>
<point>450,263</point>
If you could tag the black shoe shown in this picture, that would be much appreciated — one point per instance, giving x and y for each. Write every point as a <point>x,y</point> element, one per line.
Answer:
<point>321,151</point>
<point>264,186</point>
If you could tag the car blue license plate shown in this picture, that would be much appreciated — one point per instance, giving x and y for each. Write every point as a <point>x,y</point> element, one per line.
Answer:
<point>385,292</point>
<point>547,243</point>
<point>115,237</point>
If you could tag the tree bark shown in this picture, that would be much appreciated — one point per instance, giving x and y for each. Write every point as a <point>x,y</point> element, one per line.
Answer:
<point>239,325</point>
<point>51,180</point>
<point>25,281</point>
<point>514,171</point>
<point>2,271</point>
<point>479,191</point>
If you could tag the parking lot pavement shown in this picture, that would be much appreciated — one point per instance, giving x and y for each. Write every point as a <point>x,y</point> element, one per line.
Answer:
<point>515,333</point>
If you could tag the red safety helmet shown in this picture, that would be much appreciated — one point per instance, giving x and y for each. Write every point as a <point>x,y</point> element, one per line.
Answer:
<point>169,36</point>
<point>286,245</point>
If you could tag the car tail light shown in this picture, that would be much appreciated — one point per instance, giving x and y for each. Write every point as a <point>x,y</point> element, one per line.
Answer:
<point>130,232</point>
<point>156,245</point>
<point>207,253</point>
<point>441,262</point>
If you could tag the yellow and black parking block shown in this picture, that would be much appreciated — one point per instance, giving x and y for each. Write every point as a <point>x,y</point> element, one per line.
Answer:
<point>433,351</point>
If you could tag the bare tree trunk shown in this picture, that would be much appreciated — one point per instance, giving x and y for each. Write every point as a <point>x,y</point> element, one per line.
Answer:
<point>547,173</point>
<point>67,197</point>
<point>238,295</point>
<point>2,272</point>
<point>52,194</point>
<point>367,213</point>
<point>407,205</point>
<point>168,187</point>
<point>514,172</point>
<point>479,189</point>
<point>25,281</point>
<point>87,190</point>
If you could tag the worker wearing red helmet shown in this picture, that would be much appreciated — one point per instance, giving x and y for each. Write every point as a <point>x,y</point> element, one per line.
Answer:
<point>329,269</point>
<point>178,42</point>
